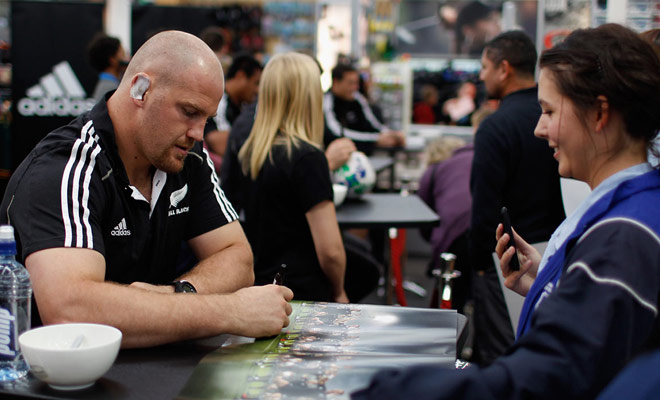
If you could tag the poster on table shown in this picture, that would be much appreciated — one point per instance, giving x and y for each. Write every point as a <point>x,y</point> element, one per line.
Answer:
<point>328,351</point>
<point>52,81</point>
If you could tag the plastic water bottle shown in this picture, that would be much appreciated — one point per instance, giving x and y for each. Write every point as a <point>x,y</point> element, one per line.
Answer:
<point>15,295</point>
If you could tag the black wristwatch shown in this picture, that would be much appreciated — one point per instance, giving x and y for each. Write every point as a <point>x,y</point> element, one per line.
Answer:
<point>183,287</point>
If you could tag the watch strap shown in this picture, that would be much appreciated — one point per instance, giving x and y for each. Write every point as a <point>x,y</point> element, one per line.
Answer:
<point>183,287</point>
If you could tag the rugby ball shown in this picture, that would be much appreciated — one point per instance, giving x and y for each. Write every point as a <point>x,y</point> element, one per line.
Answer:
<point>357,175</point>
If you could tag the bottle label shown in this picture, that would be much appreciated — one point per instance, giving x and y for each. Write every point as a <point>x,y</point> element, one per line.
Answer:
<point>7,347</point>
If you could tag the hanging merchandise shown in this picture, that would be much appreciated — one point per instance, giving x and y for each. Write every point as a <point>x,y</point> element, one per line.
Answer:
<point>289,26</point>
<point>392,91</point>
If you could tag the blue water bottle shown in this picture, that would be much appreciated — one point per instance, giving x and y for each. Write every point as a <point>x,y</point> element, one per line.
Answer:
<point>15,294</point>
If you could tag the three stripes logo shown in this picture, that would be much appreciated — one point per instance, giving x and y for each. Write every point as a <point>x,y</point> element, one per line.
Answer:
<point>120,229</point>
<point>58,93</point>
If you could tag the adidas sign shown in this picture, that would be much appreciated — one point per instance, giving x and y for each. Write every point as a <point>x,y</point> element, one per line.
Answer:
<point>57,94</point>
<point>120,229</point>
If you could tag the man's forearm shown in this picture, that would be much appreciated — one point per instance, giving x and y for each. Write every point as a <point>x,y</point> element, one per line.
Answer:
<point>223,272</point>
<point>146,318</point>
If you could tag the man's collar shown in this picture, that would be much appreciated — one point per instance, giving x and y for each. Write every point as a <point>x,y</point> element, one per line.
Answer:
<point>104,128</point>
<point>519,92</point>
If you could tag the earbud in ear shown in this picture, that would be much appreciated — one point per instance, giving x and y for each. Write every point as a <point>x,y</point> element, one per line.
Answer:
<point>140,87</point>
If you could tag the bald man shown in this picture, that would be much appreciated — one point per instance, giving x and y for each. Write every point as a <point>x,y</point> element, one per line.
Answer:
<point>101,206</point>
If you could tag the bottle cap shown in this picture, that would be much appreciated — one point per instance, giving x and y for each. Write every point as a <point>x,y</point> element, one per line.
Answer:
<point>6,232</point>
<point>7,241</point>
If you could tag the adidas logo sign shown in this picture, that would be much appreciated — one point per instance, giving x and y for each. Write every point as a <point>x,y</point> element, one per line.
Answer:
<point>58,93</point>
<point>120,229</point>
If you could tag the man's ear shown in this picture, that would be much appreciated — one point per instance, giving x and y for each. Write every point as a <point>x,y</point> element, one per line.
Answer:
<point>504,70</point>
<point>139,86</point>
<point>602,113</point>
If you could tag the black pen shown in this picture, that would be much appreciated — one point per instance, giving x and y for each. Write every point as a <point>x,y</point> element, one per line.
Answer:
<point>279,276</point>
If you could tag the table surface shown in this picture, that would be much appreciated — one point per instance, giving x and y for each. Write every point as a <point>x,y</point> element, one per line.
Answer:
<point>166,372</point>
<point>385,210</point>
<point>137,374</point>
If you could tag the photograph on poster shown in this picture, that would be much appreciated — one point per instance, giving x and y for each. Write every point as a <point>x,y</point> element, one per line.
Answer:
<point>459,27</point>
<point>445,40</point>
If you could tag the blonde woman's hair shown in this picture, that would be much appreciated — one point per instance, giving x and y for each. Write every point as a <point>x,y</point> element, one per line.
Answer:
<point>290,109</point>
<point>442,148</point>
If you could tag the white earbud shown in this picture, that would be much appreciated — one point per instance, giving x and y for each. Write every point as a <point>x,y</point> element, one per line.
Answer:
<point>140,87</point>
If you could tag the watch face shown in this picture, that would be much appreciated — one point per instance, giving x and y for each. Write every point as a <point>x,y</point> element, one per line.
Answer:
<point>184,287</point>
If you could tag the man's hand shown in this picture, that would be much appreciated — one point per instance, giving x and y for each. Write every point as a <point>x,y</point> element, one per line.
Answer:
<point>391,139</point>
<point>261,310</point>
<point>338,152</point>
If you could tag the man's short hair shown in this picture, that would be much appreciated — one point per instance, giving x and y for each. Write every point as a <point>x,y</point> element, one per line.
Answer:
<point>340,70</point>
<point>516,48</point>
<point>100,49</point>
<point>213,37</point>
<point>246,63</point>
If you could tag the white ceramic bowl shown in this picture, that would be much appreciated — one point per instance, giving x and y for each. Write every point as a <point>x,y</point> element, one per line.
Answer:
<point>339,193</point>
<point>70,356</point>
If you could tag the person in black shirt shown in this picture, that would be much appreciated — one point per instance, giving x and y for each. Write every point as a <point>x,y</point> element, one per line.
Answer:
<point>348,114</point>
<point>337,153</point>
<point>101,206</point>
<point>241,88</point>
<point>289,215</point>
<point>513,168</point>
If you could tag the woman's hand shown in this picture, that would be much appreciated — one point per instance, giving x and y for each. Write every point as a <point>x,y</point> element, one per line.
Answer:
<point>519,281</point>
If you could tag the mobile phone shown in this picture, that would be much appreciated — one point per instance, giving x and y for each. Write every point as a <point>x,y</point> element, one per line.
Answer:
<point>514,264</point>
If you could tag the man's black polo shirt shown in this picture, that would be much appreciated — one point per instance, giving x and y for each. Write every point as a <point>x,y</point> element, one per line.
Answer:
<point>72,191</point>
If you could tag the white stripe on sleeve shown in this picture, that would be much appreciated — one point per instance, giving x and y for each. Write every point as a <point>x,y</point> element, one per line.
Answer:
<point>337,129</point>
<point>368,112</point>
<point>615,282</point>
<point>75,195</point>
<point>64,187</point>
<point>226,207</point>
<point>85,200</point>
<point>621,219</point>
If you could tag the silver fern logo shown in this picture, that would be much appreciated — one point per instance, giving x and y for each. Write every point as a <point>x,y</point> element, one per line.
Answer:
<point>177,196</point>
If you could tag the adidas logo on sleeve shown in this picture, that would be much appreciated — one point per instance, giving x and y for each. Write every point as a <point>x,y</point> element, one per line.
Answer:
<point>120,229</point>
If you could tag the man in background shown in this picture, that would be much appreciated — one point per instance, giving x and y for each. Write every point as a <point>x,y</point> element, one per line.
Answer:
<point>107,56</point>
<point>348,114</point>
<point>241,88</point>
<point>512,168</point>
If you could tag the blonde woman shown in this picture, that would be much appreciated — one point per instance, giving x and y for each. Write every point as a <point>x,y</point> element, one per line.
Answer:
<point>289,215</point>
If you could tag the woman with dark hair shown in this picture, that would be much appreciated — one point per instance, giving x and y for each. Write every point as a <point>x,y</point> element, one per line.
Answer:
<point>592,299</point>
<point>653,36</point>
